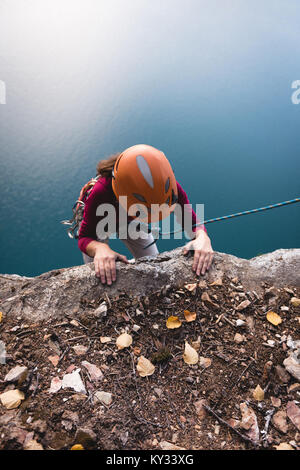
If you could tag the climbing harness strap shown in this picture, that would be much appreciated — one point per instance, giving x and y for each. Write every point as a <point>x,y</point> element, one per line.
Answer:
<point>78,208</point>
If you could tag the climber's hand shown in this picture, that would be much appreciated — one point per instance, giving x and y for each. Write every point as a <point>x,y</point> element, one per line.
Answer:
<point>105,263</point>
<point>203,252</point>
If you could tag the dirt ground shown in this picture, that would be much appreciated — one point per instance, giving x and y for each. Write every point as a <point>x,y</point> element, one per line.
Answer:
<point>166,407</point>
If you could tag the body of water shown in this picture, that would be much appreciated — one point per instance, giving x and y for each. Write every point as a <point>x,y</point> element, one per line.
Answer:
<point>209,82</point>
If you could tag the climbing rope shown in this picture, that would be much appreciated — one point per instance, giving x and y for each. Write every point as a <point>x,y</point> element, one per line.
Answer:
<point>231,216</point>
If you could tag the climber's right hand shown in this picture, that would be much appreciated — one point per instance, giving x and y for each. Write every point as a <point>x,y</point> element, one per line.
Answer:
<point>105,263</point>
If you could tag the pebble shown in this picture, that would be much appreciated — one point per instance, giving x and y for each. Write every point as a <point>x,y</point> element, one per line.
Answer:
<point>80,350</point>
<point>239,338</point>
<point>103,397</point>
<point>17,373</point>
<point>94,372</point>
<point>292,366</point>
<point>73,381</point>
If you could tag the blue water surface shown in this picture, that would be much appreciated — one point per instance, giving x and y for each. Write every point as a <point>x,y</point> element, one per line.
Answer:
<point>209,82</point>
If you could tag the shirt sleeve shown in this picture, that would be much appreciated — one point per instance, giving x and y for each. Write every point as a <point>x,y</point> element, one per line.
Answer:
<point>187,213</point>
<point>87,232</point>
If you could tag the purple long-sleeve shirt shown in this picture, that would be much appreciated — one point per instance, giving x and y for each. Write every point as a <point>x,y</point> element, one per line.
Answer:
<point>102,193</point>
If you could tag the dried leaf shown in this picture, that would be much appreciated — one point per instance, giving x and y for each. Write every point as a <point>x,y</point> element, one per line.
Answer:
<point>284,446</point>
<point>173,322</point>
<point>190,355</point>
<point>105,339</point>
<point>273,318</point>
<point>124,341</point>
<point>258,393</point>
<point>191,287</point>
<point>217,282</point>
<point>205,362</point>
<point>295,302</point>
<point>189,316</point>
<point>243,305</point>
<point>145,367</point>
<point>12,399</point>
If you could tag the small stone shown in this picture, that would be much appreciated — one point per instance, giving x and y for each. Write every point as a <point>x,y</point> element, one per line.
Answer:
<point>200,409</point>
<point>95,373</point>
<point>55,385</point>
<point>103,397</point>
<point>80,350</point>
<point>280,421</point>
<point>101,311</point>
<point>276,402</point>
<point>54,360</point>
<point>33,445</point>
<point>240,323</point>
<point>295,302</point>
<point>249,422</point>
<point>136,328</point>
<point>239,338</point>
<point>293,413</point>
<point>164,445</point>
<point>284,308</point>
<point>73,381</point>
<point>18,373</point>
<point>282,374</point>
<point>243,305</point>
<point>292,366</point>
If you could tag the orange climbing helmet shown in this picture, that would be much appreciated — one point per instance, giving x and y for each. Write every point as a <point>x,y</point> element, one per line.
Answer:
<point>144,175</point>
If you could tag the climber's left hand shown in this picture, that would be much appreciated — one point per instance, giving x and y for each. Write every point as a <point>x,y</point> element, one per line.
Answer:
<point>203,252</point>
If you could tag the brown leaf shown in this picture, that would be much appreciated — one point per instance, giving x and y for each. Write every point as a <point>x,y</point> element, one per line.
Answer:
<point>190,316</point>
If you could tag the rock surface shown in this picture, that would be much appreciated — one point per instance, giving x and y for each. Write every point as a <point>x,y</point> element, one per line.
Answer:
<point>56,293</point>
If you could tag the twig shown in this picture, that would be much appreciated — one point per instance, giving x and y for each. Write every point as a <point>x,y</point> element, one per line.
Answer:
<point>256,444</point>
<point>268,417</point>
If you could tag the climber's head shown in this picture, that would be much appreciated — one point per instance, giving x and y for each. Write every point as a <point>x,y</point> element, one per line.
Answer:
<point>144,175</point>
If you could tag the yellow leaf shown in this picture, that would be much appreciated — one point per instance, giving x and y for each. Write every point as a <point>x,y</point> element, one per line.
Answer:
<point>173,322</point>
<point>258,393</point>
<point>77,447</point>
<point>190,316</point>
<point>190,355</point>
<point>273,318</point>
<point>123,341</point>
<point>145,367</point>
<point>12,399</point>
<point>191,287</point>
<point>1,316</point>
